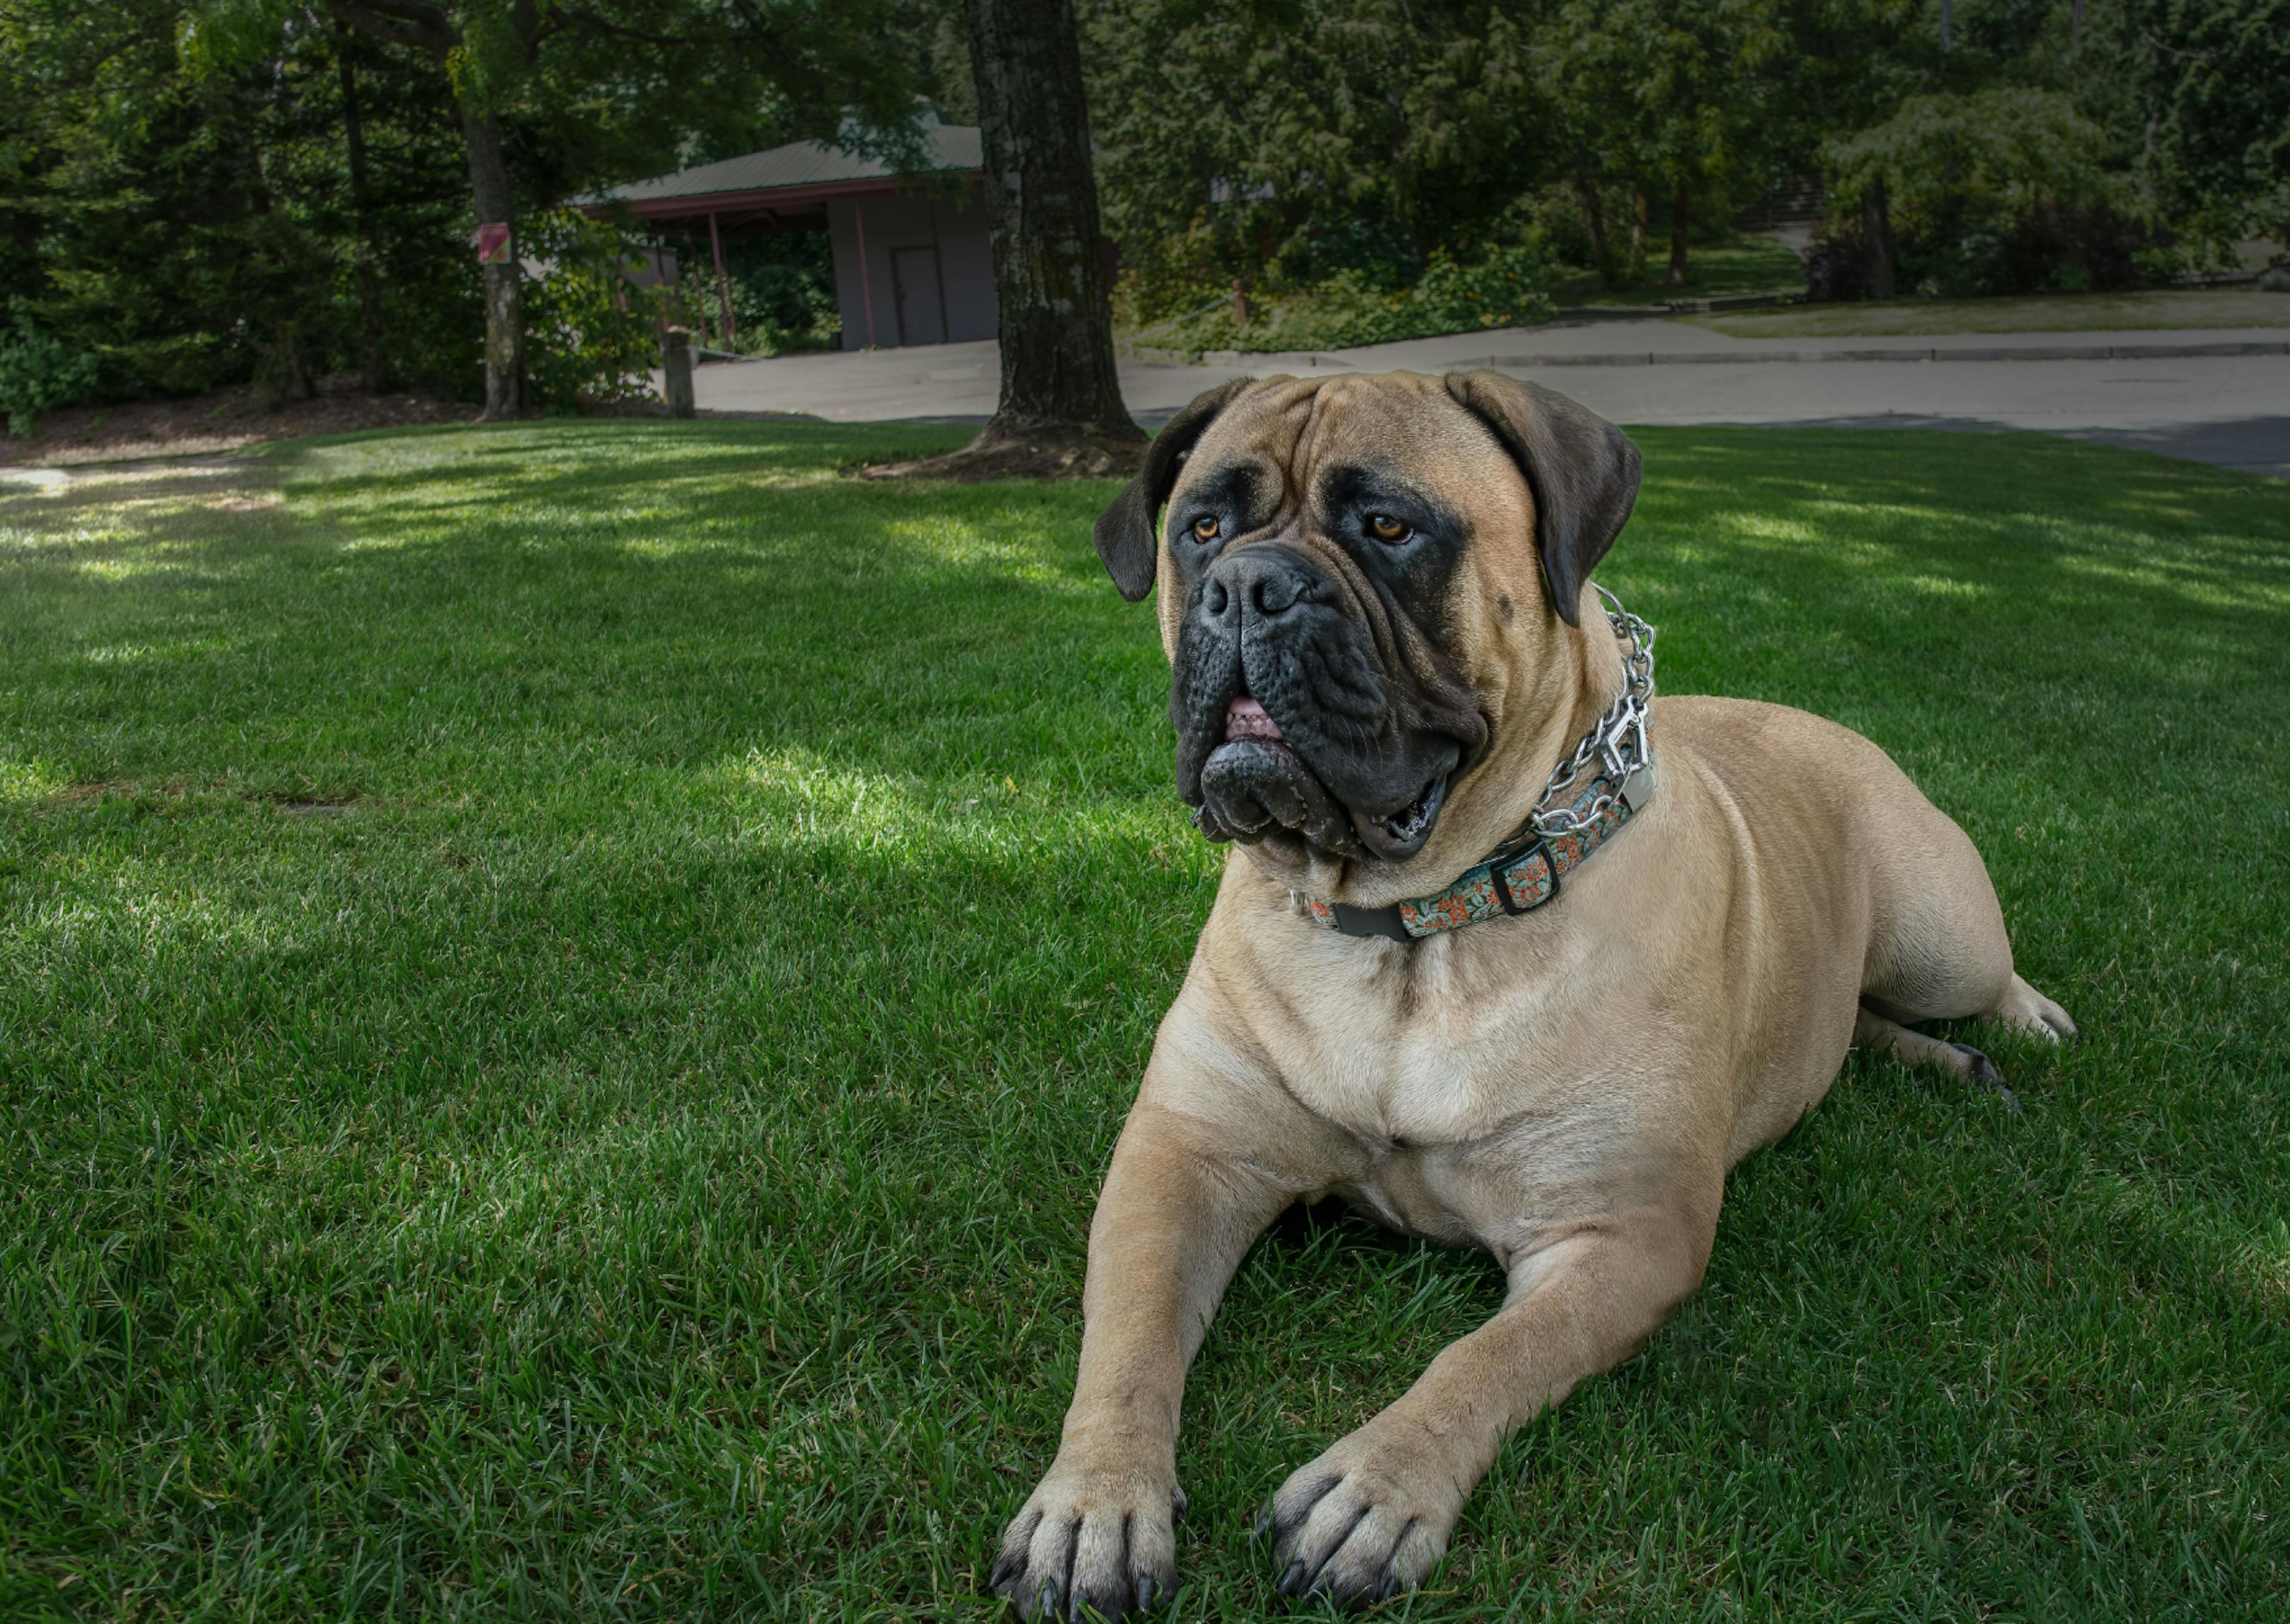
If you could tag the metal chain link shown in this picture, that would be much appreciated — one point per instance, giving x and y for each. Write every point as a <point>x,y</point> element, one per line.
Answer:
<point>1617,741</point>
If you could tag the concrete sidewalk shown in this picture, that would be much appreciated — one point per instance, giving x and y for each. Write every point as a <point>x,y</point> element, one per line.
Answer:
<point>2137,388</point>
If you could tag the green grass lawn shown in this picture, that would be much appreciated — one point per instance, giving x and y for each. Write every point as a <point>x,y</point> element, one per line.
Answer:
<point>564,992</point>
<point>2240,307</point>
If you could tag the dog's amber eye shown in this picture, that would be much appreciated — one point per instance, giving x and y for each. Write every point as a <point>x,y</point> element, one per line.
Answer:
<point>1206,529</point>
<point>1383,527</point>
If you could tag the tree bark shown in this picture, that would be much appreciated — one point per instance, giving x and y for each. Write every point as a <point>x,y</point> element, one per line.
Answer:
<point>1681,215</point>
<point>1640,204</point>
<point>427,26</point>
<point>1058,372</point>
<point>504,284</point>
<point>1594,216</point>
<point>371,376</point>
<point>1877,228</point>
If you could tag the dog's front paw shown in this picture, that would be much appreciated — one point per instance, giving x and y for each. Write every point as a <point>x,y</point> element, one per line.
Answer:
<point>1368,1519</point>
<point>1091,1544</point>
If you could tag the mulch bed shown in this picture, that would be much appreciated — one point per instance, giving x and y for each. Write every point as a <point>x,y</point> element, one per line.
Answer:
<point>223,420</point>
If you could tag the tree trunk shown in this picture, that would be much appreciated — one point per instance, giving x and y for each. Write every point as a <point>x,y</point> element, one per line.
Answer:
<point>1681,215</point>
<point>504,284</point>
<point>1639,206</point>
<point>1876,227</point>
<point>1058,374</point>
<point>371,376</point>
<point>1594,216</point>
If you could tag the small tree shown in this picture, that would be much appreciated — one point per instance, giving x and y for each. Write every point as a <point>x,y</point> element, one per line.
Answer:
<point>606,85</point>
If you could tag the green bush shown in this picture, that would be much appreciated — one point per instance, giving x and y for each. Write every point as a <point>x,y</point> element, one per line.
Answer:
<point>782,293</point>
<point>1503,287</point>
<point>1998,191</point>
<point>591,335</point>
<point>39,369</point>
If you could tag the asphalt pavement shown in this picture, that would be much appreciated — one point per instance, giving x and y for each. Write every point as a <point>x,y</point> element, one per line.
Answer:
<point>2220,395</point>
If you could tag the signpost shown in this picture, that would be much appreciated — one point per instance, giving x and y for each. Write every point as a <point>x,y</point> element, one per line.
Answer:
<point>492,242</point>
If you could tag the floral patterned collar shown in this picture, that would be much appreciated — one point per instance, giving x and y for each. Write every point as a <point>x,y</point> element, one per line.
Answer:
<point>1511,882</point>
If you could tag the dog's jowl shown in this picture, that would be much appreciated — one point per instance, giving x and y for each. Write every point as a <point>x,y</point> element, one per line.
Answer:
<point>1509,953</point>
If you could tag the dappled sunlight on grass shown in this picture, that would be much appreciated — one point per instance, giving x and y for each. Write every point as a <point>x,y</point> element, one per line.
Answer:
<point>22,782</point>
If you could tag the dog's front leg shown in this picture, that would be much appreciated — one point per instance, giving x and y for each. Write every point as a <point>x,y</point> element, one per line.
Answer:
<point>1371,1518</point>
<point>1171,1226</point>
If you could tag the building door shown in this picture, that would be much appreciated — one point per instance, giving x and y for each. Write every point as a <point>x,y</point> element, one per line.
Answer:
<point>922,300</point>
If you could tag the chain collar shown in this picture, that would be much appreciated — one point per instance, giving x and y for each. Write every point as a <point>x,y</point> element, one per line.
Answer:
<point>1524,872</point>
<point>1617,742</point>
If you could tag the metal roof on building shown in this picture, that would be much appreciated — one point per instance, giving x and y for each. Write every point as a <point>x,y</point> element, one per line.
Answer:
<point>813,166</point>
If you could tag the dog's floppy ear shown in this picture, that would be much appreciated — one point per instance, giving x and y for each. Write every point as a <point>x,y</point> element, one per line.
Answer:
<point>1126,538</point>
<point>1583,470</point>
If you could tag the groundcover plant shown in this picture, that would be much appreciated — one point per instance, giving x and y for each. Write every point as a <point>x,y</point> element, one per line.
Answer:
<point>564,992</point>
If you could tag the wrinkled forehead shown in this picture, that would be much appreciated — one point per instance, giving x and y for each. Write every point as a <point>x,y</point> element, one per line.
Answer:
<point>1301,443</point>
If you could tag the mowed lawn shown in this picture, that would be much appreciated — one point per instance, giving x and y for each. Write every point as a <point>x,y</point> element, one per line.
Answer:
<point>565,994</point>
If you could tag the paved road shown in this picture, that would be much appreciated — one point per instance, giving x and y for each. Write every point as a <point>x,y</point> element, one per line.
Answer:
<point>2233,410</point>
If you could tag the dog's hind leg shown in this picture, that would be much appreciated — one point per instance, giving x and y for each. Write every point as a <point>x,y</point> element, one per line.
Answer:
<point>1938,949</point>
<point>1875,1032</point>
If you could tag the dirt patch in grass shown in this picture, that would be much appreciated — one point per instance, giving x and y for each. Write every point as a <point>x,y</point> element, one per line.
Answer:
<point>223,420</point>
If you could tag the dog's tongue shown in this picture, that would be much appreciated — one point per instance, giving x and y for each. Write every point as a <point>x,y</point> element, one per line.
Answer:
<point>1244,718</point>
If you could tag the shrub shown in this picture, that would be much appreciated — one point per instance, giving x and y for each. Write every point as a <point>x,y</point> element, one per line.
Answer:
<point>591,335</point>
<point>1503,287</point>
<point>1998,191</point>
<point>39,369</point>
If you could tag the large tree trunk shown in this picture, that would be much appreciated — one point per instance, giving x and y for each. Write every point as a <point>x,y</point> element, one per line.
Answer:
<point>504,284</point>
<point>1059,381</point>
<point>1877,228</point>
<point>371,374</point>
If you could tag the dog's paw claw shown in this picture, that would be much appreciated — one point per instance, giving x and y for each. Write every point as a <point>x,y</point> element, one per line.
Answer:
<point>1361,1524</point>
<point>1090,1546</point>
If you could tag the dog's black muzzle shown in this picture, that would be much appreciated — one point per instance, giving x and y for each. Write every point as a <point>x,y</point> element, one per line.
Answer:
<point>1353,765</point>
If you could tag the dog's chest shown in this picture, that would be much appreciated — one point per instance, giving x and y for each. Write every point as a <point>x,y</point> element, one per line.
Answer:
<point>1417,1050</point>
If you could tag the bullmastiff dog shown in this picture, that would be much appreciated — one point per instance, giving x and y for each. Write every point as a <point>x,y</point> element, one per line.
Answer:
<point>1508,954</point>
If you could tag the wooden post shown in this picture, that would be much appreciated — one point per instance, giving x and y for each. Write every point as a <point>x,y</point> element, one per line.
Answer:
<point>722,283</point>
<point>676,367</point>
<point>866,286</point>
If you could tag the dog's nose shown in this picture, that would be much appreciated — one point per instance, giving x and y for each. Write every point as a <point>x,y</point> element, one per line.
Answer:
<point>1257,581</point>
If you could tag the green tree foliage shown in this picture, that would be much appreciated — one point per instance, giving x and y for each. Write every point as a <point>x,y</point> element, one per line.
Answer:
<point>1282,141</point>
<point>188,228</point>
<point>2209,81</point>
<point>1293,141</point>
<point>177,194</point>
<point>1286,143</point>
<point>2005,190</point>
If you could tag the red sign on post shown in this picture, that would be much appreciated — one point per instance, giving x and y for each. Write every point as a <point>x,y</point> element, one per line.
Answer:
<point>492,242</point>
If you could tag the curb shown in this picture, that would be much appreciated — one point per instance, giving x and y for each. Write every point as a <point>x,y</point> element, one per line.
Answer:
<point>1959,352</point>
<point>1763,357</point>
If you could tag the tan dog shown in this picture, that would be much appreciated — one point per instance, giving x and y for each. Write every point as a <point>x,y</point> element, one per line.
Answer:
<point>1373,597</point>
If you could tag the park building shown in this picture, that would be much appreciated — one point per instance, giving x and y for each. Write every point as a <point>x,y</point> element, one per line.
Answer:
<point>913,262</point>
